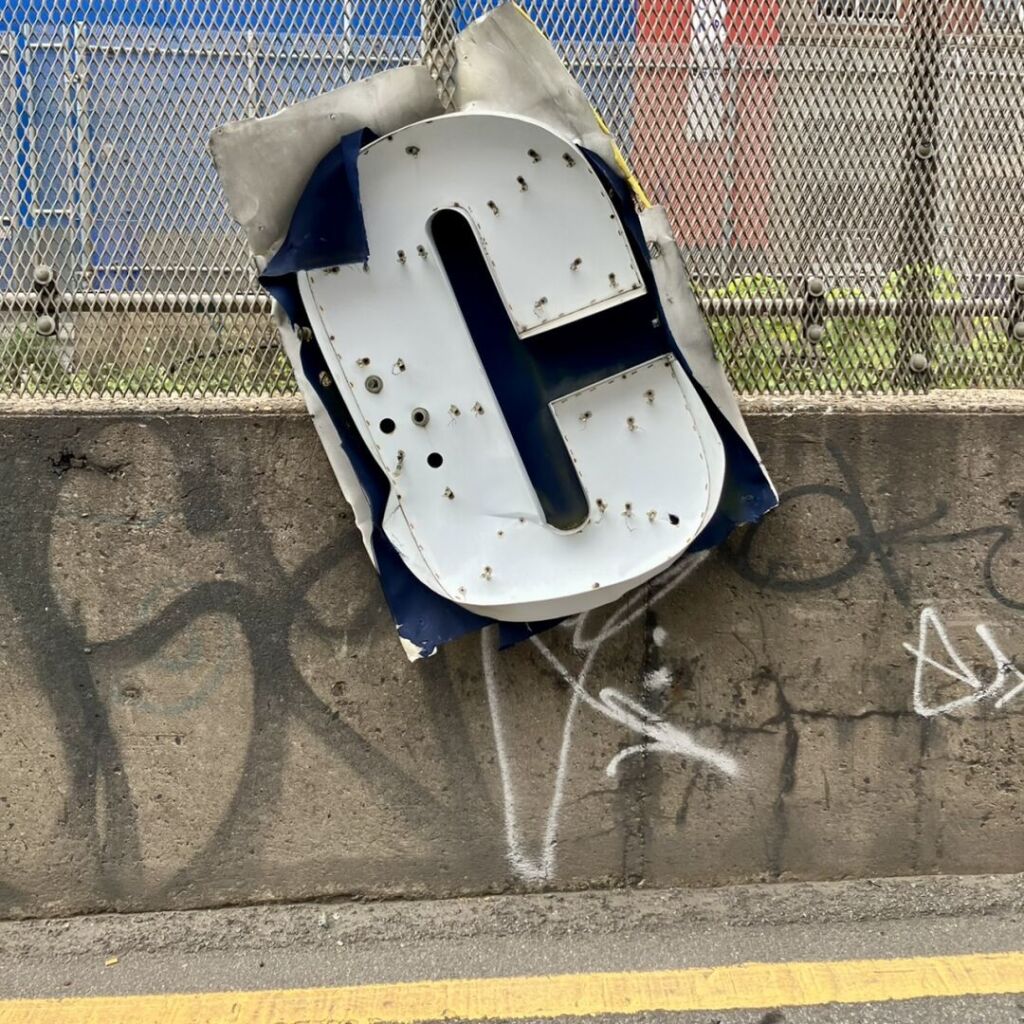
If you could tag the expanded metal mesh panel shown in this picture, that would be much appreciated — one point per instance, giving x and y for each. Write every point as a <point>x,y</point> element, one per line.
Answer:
<point>844,177</point>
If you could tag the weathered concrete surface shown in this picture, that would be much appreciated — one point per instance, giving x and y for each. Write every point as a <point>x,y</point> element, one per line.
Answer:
<point>204,700</point>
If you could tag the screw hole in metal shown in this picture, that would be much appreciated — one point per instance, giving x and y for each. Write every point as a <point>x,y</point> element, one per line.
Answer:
<point>420,417</point>
<point>435,460</point>
<point>387,425</point>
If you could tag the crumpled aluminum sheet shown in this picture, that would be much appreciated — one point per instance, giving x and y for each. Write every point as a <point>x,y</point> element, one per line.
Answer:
<point>264,162</point>
<point>685,320</point>
<point>504,65</point>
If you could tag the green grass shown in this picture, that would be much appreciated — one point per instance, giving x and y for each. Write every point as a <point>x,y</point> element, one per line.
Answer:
<point>770,354</point>
<point>173,355</point>
<point>188,363</point>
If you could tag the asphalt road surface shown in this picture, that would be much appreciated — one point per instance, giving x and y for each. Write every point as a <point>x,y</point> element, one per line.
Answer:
<point>897,950</point>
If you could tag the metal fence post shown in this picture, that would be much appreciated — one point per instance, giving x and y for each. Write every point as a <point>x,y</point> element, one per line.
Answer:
<point>914,348</point>
<point>731,117</point>
<point>438,47</point>
<point>252,57</point>
<point>83,161</point>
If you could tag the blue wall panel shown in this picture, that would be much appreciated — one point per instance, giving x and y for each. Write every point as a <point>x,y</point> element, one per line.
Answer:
<point>155,78</point>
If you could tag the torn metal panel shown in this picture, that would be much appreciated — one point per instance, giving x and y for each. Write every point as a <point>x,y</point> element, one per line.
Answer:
<point>685,320</point>
<point>505,64</point>
<point>264,163</point>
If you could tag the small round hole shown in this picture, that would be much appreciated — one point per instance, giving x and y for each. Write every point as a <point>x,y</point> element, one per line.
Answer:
<point>673,518</point>
<point>387,426</point>
<point>435,460</point>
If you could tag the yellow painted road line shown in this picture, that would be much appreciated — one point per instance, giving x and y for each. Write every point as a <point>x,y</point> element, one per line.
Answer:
<point>736,987</point>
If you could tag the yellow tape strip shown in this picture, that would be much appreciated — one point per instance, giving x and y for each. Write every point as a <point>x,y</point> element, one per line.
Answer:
<point>743,986</point>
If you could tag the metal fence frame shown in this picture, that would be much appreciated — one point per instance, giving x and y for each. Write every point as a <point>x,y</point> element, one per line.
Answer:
<point>935,56</point>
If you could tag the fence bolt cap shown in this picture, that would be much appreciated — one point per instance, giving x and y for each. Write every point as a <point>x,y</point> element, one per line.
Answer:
<point>815,333</point>
<point>919,362</point>
<point>46,325</point>
<point>42,274</point>
<point>1018,331</point>
<point>1018,283</point>
<point>815,287</point>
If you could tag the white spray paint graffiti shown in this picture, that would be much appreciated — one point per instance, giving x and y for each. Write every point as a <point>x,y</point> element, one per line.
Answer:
<point>998,690</point>
<point>658,680</point>
<point>659,735</point>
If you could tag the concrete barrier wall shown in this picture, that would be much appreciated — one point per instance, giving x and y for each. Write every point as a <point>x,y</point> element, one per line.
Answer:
<point>203,699</point>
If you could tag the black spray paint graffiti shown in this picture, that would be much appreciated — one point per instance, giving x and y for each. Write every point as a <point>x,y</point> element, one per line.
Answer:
<point>871,544</point>
<point>99,815</point>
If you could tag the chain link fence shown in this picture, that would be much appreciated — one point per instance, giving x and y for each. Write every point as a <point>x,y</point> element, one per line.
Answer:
<point>844,176</point>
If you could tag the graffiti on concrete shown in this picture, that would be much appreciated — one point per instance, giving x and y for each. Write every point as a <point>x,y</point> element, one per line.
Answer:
<point>101,812</point>
<point>161,669</point>
<point>659,736</point>
<point>1006,685</point>
<point>126,710</point>
<point>871,544</point>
